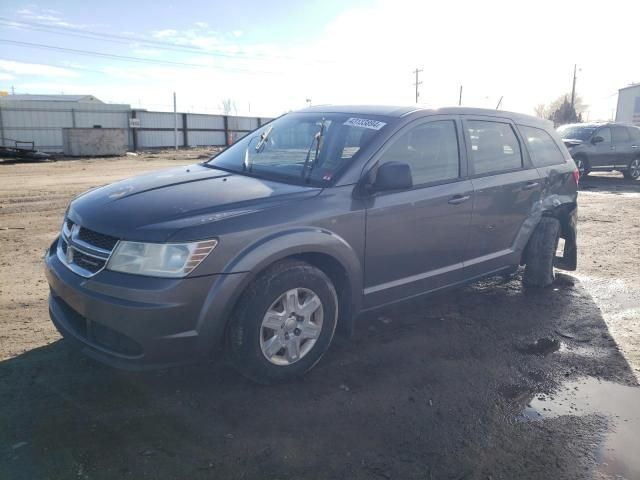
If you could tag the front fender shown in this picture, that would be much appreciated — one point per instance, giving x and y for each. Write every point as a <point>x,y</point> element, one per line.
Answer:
<point>257,256</point>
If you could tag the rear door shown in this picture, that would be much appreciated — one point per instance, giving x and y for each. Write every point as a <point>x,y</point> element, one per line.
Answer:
<point>622,146</point>
<point>416,238</point>
<point>634,133</point>
<point>602,154</point>
<point>506,187</point>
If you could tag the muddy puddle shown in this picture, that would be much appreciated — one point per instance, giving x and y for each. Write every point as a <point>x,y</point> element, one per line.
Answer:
<point>618,455</point>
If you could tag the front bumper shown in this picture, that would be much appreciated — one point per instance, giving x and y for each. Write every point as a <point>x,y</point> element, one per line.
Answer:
<point>135,322</point>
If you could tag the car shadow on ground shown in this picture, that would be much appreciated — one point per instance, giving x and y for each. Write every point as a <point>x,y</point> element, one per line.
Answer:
<point>609,182</point>
<point>428,389</point>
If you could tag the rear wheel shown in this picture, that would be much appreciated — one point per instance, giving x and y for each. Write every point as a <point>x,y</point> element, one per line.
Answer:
<point>541,252</point>
<point>284,323</point>
<point>633,171</point>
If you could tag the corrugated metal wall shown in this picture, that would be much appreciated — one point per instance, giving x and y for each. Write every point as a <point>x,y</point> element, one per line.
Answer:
<point>42,122</point>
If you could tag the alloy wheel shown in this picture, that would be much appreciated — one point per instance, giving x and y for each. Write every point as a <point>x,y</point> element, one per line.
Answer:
<point>291,326</point>
<point>634,169</point>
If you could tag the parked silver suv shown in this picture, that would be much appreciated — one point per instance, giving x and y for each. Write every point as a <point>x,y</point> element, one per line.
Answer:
<point>604,147</point>
<point>286,237</point>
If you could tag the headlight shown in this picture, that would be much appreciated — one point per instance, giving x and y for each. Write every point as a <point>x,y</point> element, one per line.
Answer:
<point>159,259</point>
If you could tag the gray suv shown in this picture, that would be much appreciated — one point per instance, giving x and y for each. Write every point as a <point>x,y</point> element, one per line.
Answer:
<point>268,249</point>
<point>604,147</point>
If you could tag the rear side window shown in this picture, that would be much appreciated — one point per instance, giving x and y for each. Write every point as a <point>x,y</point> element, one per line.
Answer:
<point>542,148</point>
<point>494,147</point>
<point>620,135</point>
<point>430,150</point>
<point>634,132</point>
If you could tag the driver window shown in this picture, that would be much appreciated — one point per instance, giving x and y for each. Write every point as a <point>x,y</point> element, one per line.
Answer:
<point>604,133</point>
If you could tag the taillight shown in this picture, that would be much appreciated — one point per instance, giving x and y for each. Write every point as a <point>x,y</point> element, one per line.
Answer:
<point>576,176</point>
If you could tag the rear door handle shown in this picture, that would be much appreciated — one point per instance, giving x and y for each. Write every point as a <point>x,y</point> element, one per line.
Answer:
<point>612,148</point>
<point>530,185</point>
<point>457,199</point>
<point>634,146</point>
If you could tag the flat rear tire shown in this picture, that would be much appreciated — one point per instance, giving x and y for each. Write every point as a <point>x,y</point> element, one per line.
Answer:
<point>540,254</point>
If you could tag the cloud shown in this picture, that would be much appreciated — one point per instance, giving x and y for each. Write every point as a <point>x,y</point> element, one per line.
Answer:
<point>35,69</point>
<point>6,76</point>
<point>201,24</point>
<point>237,33</point>
<point>166,33</point>
<point>47,16</point>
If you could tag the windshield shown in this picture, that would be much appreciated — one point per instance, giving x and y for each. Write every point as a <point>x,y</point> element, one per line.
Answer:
<point>576,132</point>
<point>309,148</point>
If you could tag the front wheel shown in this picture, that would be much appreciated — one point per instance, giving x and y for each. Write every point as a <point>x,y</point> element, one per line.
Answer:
<point>284,323</point>
<point>583,166</point>
<point>633,171</point>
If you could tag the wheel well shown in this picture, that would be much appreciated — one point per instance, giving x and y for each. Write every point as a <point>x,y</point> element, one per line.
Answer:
<point>338,276</point>
<point>340,279</point>
<point>561,213</point>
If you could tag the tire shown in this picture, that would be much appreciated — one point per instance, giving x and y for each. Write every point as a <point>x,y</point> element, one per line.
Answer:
<point>540,253</point>
<point>633,171</point>
<point>583,166</point>
<point>276,311</point>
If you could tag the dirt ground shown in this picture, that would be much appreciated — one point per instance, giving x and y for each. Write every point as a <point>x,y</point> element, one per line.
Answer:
<point>489,382</point>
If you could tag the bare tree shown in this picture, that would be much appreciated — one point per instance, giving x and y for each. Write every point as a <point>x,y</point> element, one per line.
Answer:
<point>540,110</point>
<point>547,110</point>
<point>228,106</point>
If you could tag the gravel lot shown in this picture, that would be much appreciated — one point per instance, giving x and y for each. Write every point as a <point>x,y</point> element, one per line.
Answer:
<point>488,382</point>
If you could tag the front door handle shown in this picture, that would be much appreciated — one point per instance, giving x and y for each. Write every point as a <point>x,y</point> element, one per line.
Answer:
<point>530,185</point>
<point>634,146</point>
<point>612,147</point>
<point>457,199</point>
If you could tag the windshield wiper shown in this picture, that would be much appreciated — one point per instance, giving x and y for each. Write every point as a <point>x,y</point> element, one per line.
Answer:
<point>317,139</point>
<point>263,139</point>
<point>259,147</point>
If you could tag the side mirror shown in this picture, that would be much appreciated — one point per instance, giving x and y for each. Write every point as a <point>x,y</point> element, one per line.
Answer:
<point>597,139</point>
<point>393,176</point>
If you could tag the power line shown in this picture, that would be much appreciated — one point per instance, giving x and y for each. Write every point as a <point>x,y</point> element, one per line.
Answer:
<point>417,83</point>
<point>124,57</point>
<point>121,39</point>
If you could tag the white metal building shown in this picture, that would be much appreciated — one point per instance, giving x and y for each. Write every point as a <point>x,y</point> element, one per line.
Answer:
<point>628,109</point>
<point>41,118</point>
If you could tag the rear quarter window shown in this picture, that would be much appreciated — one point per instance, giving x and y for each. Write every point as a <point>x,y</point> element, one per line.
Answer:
<point>544,151</point>
<point>634,133</point>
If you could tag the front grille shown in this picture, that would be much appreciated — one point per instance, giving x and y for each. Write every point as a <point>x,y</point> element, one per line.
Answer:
<point>87,262</point>
<point>96,239</point>
<point>84,251</point>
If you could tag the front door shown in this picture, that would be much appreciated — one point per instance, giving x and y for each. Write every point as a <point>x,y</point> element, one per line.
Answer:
<point>602,152</point>
<point>416,239</point>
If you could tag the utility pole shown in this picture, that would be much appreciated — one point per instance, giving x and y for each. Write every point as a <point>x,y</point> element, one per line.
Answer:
<point>573,88</point>
<point>175,122</point>
<point>417,71</point>
<point>460,97</point>
<point>13,90</point>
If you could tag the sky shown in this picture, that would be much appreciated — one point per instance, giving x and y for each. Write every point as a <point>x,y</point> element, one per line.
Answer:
<point>271,57</point>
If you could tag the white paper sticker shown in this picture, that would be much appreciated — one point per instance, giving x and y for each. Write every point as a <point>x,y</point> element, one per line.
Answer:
<point>365,123</point>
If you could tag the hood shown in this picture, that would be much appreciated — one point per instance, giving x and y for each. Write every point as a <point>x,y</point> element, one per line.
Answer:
<point>572,142</point>
<point>154,206</point>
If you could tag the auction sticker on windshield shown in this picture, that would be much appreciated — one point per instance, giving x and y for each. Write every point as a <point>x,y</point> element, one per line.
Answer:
<point>365,123</point>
